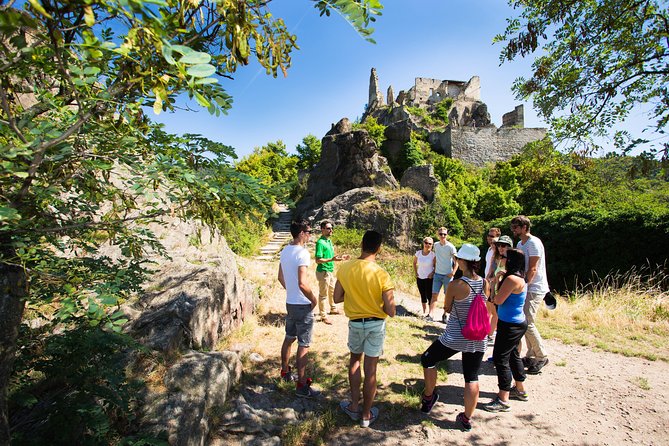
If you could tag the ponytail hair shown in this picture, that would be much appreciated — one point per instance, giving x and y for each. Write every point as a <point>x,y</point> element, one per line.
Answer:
<point>515,264</point>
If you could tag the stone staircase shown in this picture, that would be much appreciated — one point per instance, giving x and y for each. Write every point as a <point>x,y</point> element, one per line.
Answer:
<point>280,234</point>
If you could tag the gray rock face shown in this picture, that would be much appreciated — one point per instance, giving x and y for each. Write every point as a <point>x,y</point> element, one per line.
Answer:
<point>349,160</point>
<point>194,299</point>
<point>389,212</point>
<point>480,115</point>
<point>197,387</point>
<point>193,308</point>
<point>422,180</point>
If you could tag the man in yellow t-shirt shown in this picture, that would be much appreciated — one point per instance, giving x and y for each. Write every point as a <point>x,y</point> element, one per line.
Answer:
<point>367,292</point>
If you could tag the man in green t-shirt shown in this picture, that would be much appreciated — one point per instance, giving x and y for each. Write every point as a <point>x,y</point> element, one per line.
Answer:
<point>325,258</point>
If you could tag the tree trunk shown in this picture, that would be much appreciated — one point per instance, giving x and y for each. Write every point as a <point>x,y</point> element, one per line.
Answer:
<point>13,294</point>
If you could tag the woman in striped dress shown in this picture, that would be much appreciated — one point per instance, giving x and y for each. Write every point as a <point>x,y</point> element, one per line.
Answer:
<point>459,296</point>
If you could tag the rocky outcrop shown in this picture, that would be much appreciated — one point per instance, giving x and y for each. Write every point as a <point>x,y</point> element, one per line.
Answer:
<point>191,301</point>
<point>194,299</point>
<point>390,212</point>
<point>349,160</point>
<point>197,388</point>
<point>422,180</point>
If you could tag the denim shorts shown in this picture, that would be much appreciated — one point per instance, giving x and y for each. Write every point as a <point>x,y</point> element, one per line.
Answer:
<point>299,323</point>
<point>367,337</point>
<point>438,280</point>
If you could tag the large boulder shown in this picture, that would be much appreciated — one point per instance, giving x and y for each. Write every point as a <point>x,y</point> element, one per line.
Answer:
<point>196,389</point>
<point>349,160</point>
<point>194,299</point>
<point>390,212</point>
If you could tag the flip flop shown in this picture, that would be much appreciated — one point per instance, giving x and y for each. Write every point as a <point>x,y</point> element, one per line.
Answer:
<point>374,413</point>
<point>353,415</point>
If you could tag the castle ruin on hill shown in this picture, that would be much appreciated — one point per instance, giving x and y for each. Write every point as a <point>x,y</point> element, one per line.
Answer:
<point>469,136</point>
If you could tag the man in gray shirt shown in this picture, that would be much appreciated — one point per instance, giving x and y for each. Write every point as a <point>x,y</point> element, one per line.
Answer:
<point>537,287</point>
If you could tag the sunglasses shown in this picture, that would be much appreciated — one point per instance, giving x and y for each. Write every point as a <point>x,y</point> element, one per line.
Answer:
<point>427,243</point>
<point>443,233</point>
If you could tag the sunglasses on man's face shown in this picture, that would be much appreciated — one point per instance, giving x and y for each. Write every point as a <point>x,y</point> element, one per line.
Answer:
<point>442,234</point>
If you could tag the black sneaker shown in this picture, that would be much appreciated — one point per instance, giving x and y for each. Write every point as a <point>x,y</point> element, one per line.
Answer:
<point>427,403</point>
<point>288,375</point>
<point>528,361</point>
<point>305,390</point>
<point>464,423</point>
<point>535,368</point>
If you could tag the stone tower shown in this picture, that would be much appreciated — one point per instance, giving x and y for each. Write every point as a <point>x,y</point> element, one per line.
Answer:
<point>390,96</point>
<point>375,96</point>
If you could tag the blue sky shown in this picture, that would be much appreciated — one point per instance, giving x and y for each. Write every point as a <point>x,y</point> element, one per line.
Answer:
<point>329,76</point>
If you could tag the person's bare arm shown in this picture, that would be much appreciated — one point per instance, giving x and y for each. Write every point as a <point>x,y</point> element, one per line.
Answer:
<point>338,296</point>
<point>304,286</point>
<point>280,278</point>
<point>449,295</point>
<point>510,285</point>
<point>455,267</point>
<point>388,303</point>
<point>532,269</point>
<point>415,266</point>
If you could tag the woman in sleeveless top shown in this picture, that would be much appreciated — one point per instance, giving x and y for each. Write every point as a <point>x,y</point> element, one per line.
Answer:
<point>424,262</point>
<point>499,258</point>
<point>459,296</point>
<point>511,326</point>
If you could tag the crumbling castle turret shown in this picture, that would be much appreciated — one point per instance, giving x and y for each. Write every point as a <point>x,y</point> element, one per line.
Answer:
<point>468,134</point>
<point>375,96</point>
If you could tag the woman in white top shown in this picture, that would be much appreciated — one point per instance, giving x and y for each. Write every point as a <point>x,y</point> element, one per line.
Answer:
<point>423,266</point>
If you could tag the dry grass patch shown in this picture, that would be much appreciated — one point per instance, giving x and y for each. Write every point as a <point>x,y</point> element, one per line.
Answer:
<point>623,314</point>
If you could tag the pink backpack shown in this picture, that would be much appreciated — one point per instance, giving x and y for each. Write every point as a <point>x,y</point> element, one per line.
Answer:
<point>477,326</point>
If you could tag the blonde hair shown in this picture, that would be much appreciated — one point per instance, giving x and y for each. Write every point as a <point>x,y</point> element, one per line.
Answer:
<point>428,239</point>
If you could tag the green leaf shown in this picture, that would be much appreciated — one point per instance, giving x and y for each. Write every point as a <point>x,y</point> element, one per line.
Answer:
<point>195,58</point>
<point>89,15</point>
<point>21,174</point>
<point>208,80</point>
<point>7,213</point>
<point>201,99</point>
<point>181,49</point>
<point>167,54</point>
<point>108,299</point>
<point>39,8</point>
<point>201,70</point>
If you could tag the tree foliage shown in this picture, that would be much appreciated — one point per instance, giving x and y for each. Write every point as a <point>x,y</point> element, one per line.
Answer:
<point>273,167</point>
<point>309,152</point>
<point>600,60</point>
<point>81,165</point>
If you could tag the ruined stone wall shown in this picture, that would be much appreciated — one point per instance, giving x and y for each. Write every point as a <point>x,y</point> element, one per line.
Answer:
<point>515,118</point>
<point>479,146</point>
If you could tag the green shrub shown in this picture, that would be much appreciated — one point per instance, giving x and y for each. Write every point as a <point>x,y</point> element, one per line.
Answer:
<point>245,234</point>
<point>442,109</point>
<point>376,131</point>
<point>347,239</point>
<point>73,388</point>
<point>585,245</point>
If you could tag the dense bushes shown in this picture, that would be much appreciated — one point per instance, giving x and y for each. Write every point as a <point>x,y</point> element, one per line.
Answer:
<point>584,245</point>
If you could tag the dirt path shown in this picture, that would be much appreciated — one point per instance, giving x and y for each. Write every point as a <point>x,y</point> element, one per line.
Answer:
<point>583,397</point>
